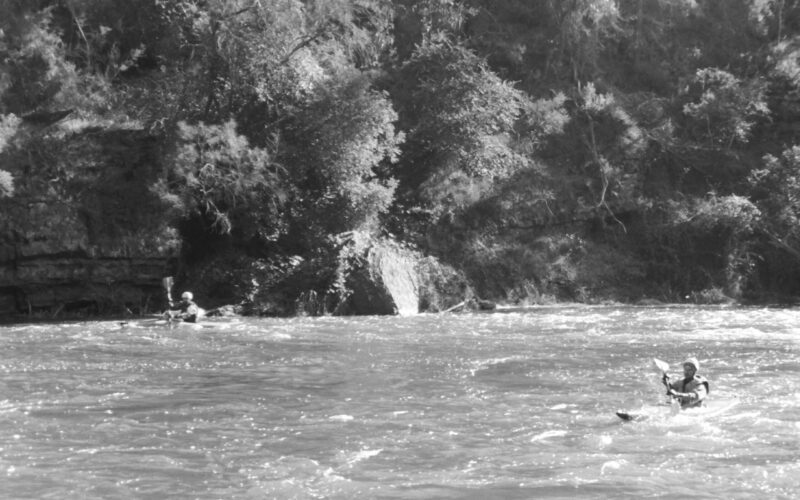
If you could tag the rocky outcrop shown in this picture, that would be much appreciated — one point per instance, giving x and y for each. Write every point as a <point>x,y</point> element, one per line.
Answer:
<point>84,229</point>
<point>385,282</point>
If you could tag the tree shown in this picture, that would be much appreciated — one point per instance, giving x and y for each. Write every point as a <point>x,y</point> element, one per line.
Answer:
<point>460,120</point>
<point>344,146</point>
<point>8,127</point>
<point>720,109</point>
<point>775,189</point>
<point>544,40</point>
<point>778,19</point>
<point>259,61</point>
<point>37,73</point>
<point>220,177</point>
<point>595,163</point>
<point>420,22</point>
<point>728,221</point>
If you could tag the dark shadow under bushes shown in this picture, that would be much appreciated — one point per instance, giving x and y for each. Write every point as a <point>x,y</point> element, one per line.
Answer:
<point>551,268</point>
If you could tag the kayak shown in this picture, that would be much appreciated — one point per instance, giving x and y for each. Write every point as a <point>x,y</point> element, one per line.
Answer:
<point>161,322</point>
<point>712,408</point>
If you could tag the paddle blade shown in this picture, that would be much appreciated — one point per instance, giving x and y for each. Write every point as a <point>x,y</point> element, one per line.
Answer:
<point>166,282</point>
<point>661,365</point>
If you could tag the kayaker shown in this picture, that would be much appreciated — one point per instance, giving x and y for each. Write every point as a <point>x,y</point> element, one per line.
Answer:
<point>185,310</point>
<point>691,391</point>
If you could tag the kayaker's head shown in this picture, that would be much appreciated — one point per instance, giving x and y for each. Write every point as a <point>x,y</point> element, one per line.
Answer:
<point>186,296</point>
<point>690,367</point>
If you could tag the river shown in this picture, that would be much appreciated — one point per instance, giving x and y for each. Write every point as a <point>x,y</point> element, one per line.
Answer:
<point>515,404</point>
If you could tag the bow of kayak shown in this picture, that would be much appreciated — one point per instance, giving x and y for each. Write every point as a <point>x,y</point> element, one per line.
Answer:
<point>711,409</point>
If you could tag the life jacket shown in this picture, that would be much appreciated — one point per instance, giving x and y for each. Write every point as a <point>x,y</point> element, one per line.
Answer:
<point>691,385</point>
<point>190,310</point>
<point>184,306</point>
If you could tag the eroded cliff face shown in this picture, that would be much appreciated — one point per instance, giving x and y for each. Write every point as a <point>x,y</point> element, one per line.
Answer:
<point>84,229</point>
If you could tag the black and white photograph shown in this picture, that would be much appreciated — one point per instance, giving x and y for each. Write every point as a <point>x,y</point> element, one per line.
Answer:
<point>399,249</point>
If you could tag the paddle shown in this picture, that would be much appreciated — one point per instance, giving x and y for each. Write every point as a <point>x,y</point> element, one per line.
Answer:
<point>166,282</point>
<point>661,365</point>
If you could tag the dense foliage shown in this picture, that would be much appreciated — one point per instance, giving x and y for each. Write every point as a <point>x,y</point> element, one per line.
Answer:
<point>535,151</point>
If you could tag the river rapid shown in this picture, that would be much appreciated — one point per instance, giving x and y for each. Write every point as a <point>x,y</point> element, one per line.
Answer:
<point>514,404</point>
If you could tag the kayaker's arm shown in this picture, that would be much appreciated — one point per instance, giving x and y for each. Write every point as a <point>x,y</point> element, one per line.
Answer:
<point>689,397</point>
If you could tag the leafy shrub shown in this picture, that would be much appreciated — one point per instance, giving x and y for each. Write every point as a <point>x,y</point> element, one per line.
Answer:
<point>706,243</point>
<point>8,127</point>
<point>776,189</point>
<point>38,72</point>
<point>733,214</point>
<point>218,175</point>
<point>460,118</point>
<point>440,285</point>
<point>544,118</point>
<point>612,145</point>
<point>346,144</point>
<point>721,109</point>
<point>233,277</point>
<point>6,184</point>
<point>713,295</point>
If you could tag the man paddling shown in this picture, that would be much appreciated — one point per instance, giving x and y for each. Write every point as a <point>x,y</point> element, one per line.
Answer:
<point>692,390</point>
<point>185,310</point>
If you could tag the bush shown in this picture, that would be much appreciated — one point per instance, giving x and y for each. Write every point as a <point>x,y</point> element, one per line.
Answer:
<point>440,286</point>
<point>345,144</point>
<point>461,118</point>
<point>6,184</point>
<point>710,296</point>
<point>721,109</point>
<point>219,176</point>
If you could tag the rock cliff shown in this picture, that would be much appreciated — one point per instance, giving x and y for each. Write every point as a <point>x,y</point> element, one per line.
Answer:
<point>84,229</point>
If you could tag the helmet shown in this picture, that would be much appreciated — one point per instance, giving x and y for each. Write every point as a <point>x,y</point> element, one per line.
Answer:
<point>187,295</point>
<point>693,362</point>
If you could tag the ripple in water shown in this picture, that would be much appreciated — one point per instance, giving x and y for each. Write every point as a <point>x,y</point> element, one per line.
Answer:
<point>516,404</point>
